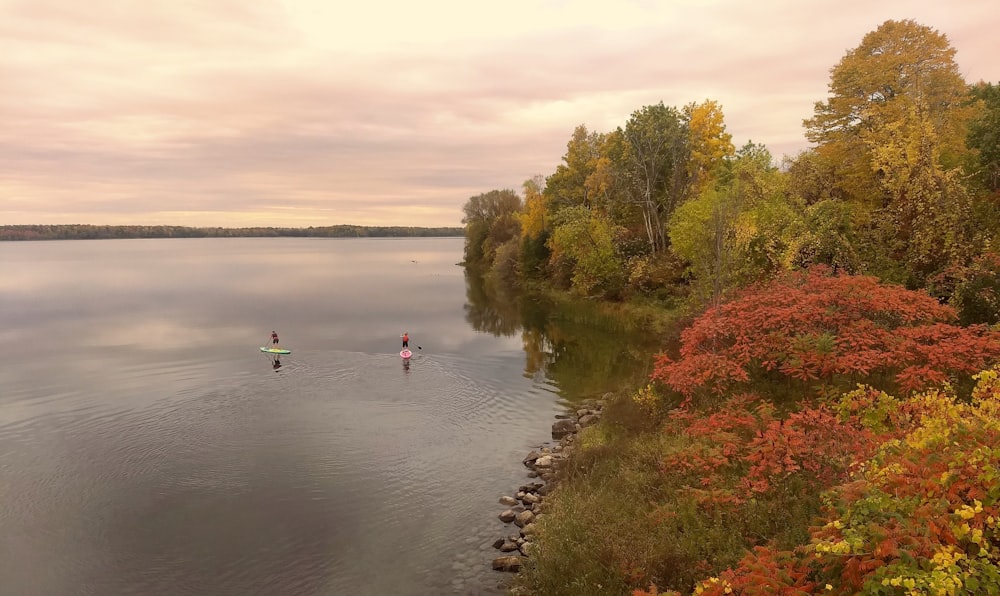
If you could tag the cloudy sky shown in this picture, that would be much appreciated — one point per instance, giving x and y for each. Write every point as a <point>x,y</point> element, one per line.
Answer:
<point>321,112</point>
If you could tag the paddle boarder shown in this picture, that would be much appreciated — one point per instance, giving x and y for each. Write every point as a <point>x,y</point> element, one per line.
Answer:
<point>406,339</point>
<point>274,339</point>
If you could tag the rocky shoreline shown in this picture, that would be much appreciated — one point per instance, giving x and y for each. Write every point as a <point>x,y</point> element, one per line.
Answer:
<point>544,464</point>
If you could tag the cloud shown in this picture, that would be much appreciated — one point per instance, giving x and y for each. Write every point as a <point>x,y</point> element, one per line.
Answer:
<point>306,112</point>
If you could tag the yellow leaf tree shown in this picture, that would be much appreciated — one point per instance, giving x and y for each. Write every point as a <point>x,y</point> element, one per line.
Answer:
<point>708,142</point>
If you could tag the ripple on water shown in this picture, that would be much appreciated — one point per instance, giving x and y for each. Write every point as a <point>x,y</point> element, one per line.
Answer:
<point>303,481</point>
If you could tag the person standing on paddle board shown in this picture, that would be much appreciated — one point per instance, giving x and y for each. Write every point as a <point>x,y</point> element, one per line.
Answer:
<point>406,339</point>
<point>274,339</point>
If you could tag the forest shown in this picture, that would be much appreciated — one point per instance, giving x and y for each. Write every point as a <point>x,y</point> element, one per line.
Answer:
<point>104,232</point>
<point>830,419</point>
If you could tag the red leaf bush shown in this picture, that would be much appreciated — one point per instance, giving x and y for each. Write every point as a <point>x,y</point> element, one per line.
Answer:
<point>818,326</point>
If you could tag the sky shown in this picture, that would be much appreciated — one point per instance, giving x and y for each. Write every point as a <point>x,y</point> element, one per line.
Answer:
<point>322,112</point>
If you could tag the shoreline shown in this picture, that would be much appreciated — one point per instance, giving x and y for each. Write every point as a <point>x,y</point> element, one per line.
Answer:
<point>527,505</point>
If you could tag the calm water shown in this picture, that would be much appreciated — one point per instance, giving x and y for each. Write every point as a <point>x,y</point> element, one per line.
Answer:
<point>148,447</point>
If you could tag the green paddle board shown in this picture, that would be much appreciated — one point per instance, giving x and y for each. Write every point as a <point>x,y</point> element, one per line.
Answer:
<point>274,350</point>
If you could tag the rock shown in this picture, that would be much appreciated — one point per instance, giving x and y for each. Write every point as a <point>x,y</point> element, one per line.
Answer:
<point>507,516</point>
<point>530,498</point>
<point>529,460</point>
<point>524,518</point>
<point>508,547</point>
<point>543,462</point>
<point>587,420</point>
<point>526,548</point>
<point>529,529</point>
<point>498,542</point>
<point>508,563</point>
<point>561,428</point>
<point>508,501</point>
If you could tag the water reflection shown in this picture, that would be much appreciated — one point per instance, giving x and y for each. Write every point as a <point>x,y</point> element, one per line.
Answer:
<point>491,308</point>
<point>583,351</point>
<point>276,362</point>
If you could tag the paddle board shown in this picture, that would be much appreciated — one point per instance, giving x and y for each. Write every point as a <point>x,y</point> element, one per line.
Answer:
<point>274,350</point>
<point>406,353</point>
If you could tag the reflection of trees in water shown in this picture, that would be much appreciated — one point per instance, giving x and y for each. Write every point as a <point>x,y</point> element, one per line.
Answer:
<point>583,351</point>
<point>490,308</point>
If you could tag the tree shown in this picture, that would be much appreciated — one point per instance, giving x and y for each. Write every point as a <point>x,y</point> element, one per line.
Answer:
<point>984,133</point>
<point>900,65</point>
<point>653,166</point>
<point>702,232</point>
<point>708,142</point>
<point>893,130</point>
<point>567,186</point>
<point>534,227</point>
<point>735,231</point>
<point>491,219</point>
<point>584,241</point>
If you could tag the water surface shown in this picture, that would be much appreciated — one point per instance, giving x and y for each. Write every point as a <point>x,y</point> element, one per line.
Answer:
<point>148,447</point>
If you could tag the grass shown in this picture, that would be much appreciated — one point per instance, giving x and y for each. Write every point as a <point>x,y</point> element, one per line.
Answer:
<point>618,522</point>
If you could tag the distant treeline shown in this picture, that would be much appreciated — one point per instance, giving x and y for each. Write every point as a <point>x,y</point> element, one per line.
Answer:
<point>93,232</point>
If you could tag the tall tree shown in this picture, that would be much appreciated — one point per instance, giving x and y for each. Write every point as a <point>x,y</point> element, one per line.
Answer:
<point>534,227</point>
<point>490,221</point>
<point>893,129</point>
<point>567,186</point>
<point>875,86</point>
<point>708,142</point>
<point>653,161</point>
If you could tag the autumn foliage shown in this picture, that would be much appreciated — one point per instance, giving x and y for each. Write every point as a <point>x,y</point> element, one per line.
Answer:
<point>921,516</point>
<point>819,326</point>
<point>743,450</point>
<point>893,480</point>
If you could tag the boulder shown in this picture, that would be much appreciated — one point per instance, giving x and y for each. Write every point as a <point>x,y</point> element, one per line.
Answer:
<point>508,547</point>
<point>524,518</point>
<point>561,428</point>
<point>507,563</point>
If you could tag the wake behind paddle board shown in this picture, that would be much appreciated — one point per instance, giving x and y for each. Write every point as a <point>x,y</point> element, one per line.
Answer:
<point>405,353</point>
<point>274,350</point>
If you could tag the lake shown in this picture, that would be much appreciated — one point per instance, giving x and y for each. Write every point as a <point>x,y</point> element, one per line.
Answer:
<point>148,447</point>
